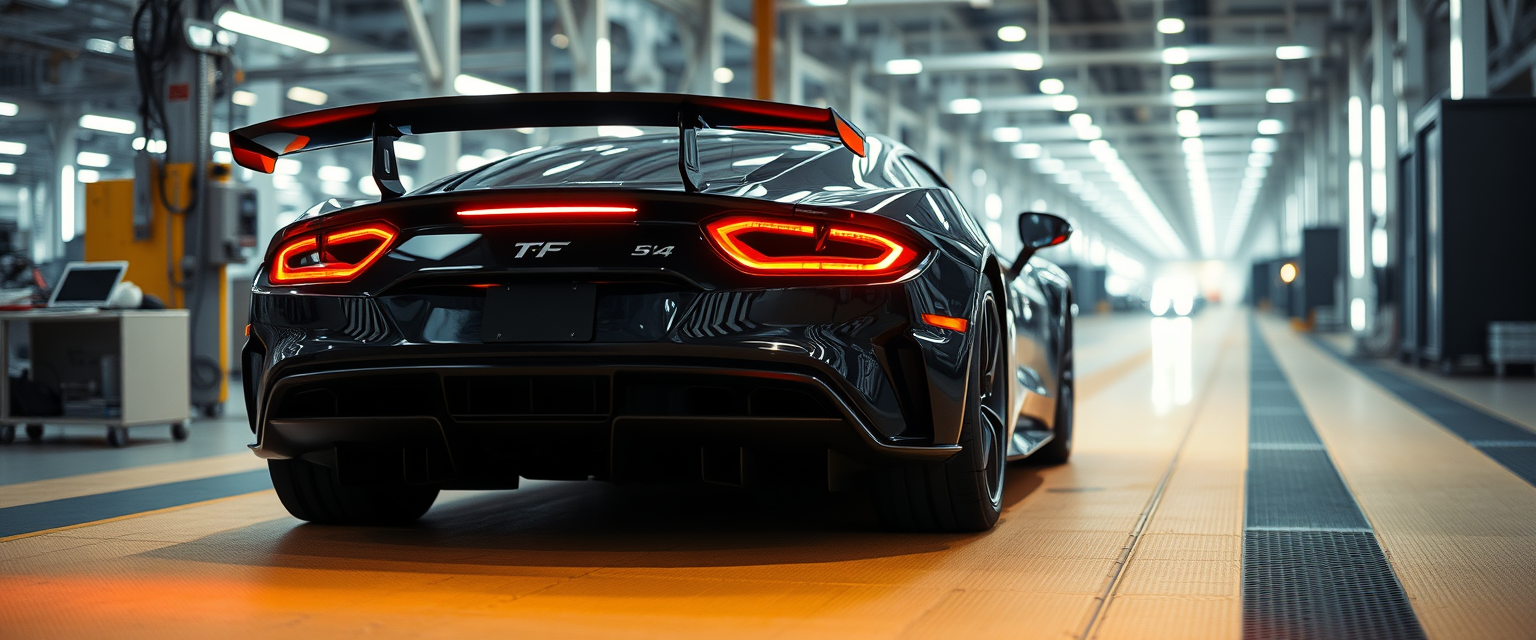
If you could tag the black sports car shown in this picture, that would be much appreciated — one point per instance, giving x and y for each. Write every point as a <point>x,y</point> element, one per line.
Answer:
<point>762,296</point>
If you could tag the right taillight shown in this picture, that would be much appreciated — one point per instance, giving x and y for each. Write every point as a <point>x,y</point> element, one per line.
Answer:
<point>789,246</point>
<point>331,256</point>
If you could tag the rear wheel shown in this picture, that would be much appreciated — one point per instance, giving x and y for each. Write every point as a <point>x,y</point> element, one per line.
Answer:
<point>1059,449</point>
<point>965,492</point>
<point>311,492</point>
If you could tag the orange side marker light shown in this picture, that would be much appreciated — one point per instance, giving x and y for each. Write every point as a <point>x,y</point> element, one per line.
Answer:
<point>946,322</point>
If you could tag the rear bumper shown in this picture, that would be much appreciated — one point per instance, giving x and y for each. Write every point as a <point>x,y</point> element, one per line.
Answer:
<point>481,417</point>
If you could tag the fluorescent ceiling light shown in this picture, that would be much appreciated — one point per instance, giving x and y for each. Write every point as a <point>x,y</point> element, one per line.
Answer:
<point>7,168</point>
<point>1028,61</point>
<point>1256,172</point>
<point>826,3</point>
<point>243,98</point>
<point>334,173</point>
<point>223,157</point>
<point>724,75</point>
<point>1170,25</point>
<point>108,124</point>
<point>13,148</point>
<point>1271,127</point>
<point>1280,95</point>
<point>468,85</point>
<point>1193,146</point>
<point>1049,166</point>
<point>219,139</point>
<point>1080,120</point>
<point>1181,82</point>
<point>619,131</point>
<point>101,46</point>
<point>1189,129</point>
<point>290,167</point>
<point>273,32</point>
<point>1175,55</point>
<point>1260,160</point>
<point>1011,33</point>
<point>1089,133</point>
<point>92,159</point>
<point>1064,102</point>
<point>1184,98</point>
<point>1265,145</point>
<point>1027,151</point>
<point>965,105</point>
<point>1052,86</point>
<point>307,95</point>
<point>409,150</point>
<point>1292,52</point>
<point>9,109</point>
<point>903,67</point>
<point>1007,134</point>
<point>1187,116</point>
<point>88,176</point>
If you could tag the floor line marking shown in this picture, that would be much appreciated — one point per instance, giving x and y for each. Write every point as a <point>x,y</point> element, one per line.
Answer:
<point>130,516</point>
<point>1380,376</point>
<point>41,516</point>
<point>1117,573</point>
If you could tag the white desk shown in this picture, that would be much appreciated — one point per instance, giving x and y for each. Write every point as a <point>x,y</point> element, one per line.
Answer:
<point>69,347</point>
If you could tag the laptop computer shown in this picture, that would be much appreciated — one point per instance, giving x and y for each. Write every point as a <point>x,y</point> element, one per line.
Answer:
<point>87,285</point>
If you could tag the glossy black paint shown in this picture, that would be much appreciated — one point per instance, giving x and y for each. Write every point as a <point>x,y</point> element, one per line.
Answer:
<point>873,381</point>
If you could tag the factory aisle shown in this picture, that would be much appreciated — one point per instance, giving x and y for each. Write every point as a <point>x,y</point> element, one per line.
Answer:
<point>1209,450</point>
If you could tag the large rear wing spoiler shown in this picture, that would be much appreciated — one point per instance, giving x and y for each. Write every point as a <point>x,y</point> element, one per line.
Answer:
<point>258,146</point>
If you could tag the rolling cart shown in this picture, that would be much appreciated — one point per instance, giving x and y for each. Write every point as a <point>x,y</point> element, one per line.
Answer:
<point>114,368</point>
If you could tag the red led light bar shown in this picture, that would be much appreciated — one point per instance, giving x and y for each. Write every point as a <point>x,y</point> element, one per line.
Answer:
<point>946,322</point>
<point>546,210</point>
<point>730,237</point>
<point>334,270</point>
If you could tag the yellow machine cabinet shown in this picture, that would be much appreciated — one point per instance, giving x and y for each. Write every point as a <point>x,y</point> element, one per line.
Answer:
<point>153,262</point>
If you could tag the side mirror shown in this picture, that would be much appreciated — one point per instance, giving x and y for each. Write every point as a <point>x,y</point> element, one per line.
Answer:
<point>1038,231</point>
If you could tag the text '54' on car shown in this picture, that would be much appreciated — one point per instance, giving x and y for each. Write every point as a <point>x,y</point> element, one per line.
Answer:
<point>761,295</point>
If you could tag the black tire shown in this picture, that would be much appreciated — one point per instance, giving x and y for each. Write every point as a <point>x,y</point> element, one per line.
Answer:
<point>117,437</point>
<point>1059,449</point>
<point>311,492</point>
<point>210,411</point>
<point>963,493</point>
<point>34,432</point>
<point>7,433</point>
<point>180,431</point>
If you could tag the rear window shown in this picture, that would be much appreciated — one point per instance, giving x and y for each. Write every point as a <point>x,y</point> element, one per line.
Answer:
<point>726,158</point>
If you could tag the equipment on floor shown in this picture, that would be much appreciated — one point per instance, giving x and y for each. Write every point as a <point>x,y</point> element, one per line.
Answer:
<point>87,285</point>
<point>1465,253</point>
<point>181,220</point>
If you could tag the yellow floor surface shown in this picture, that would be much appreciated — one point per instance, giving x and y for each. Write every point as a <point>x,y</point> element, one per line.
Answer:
<point>1091,547</point>
<point>1459,529</point>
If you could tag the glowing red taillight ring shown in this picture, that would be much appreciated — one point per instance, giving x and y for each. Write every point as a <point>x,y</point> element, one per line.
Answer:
<point>331,271</point>
<point>726,235</point>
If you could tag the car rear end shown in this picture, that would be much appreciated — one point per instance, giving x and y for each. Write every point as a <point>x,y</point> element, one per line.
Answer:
<point>465,339</point>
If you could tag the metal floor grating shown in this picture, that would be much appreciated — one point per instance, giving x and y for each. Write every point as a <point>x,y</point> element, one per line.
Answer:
<point>1321,584</point>
<point>1312,567</point>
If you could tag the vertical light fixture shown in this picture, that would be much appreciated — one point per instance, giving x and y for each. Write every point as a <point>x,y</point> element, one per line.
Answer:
<point>1356,188</point>
<point>67,203</point>
<point>1458,79</point>
<point>603,58</point>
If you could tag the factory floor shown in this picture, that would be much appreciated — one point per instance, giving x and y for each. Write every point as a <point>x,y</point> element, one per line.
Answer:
<point>1231,479</point>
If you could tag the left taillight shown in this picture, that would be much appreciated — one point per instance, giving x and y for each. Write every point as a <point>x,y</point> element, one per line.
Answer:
<point>792,246</point>
<point>332,255</point>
